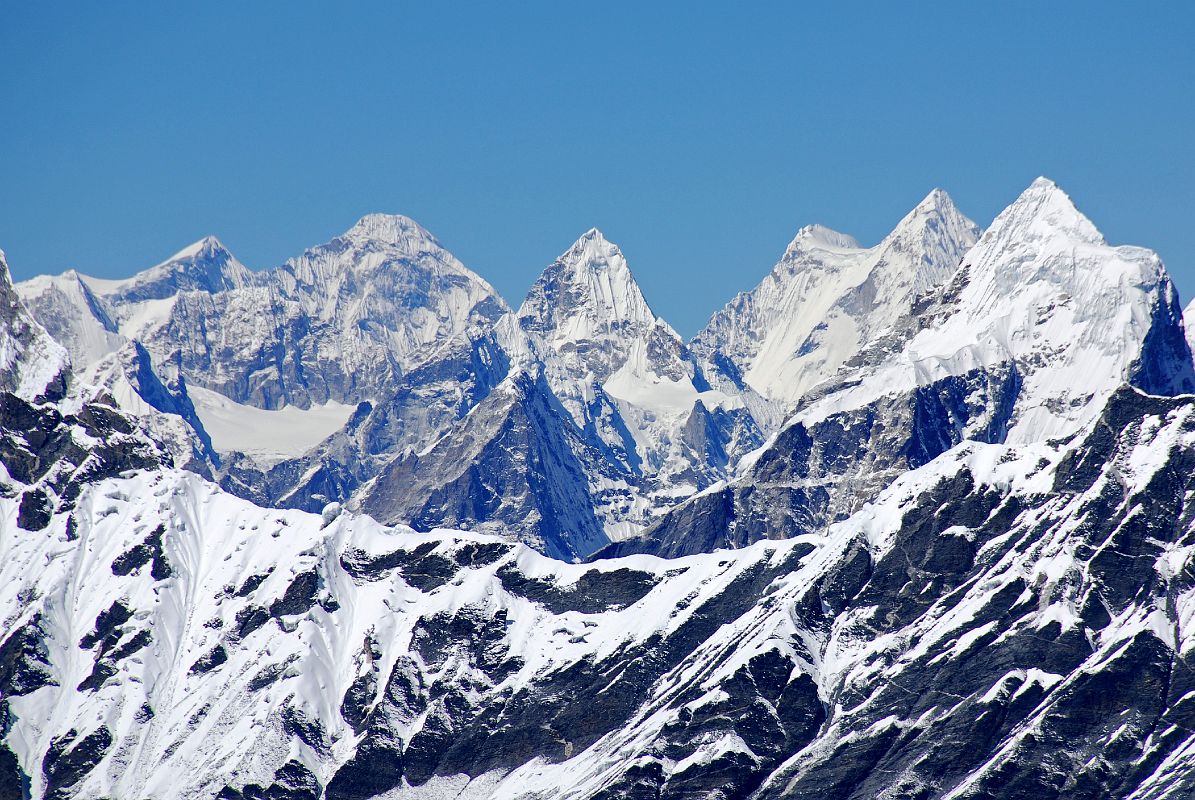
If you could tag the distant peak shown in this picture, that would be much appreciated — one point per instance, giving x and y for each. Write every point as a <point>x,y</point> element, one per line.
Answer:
<point>932,214</point>
<point>204,248</point>
<point>938,200</point>
<point>389,228</point>
<point>590,279</point>
<point>593,251</point>
<point>1046,205</point>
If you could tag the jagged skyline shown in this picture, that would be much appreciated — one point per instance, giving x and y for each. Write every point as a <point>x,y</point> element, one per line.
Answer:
<point>699,141</point>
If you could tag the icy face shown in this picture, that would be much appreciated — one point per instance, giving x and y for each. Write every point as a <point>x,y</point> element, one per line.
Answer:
<point>827,297</point>
<point>588,309</point>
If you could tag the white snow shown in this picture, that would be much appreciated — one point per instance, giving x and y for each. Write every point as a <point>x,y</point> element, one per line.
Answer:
<point>828,296</point>
<point>266,436</point>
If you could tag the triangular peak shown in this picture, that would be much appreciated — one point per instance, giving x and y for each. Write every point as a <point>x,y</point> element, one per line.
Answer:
<point>590,280</point>
<point>1043,209</point>
<point>594,251</point>
<point>937,207</point>
<point>206,248</point>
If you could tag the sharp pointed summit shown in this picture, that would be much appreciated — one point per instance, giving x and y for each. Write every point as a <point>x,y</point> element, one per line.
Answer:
<point>588,294</point>
<point>1042,211</point>
<point>208,247</point>
<point>827,296</point>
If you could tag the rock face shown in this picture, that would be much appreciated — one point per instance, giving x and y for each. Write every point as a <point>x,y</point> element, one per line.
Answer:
<point>32,365</point>
<point>53,445</point>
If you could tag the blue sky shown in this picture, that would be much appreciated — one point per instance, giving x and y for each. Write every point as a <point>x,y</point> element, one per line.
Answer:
<point>698,137</point>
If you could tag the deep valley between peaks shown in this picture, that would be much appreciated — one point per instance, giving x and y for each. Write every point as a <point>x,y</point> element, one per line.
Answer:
<point>903,521</point>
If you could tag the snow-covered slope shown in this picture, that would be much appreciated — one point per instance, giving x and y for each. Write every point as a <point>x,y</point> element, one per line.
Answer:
<point>1005,622</point>
<point>266,436</point>
<point>827,297</point>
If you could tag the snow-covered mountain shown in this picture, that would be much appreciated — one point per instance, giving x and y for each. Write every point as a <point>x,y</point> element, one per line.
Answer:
<point>963,568</point>
<point>1015,347</point>
<point>335,324</point>
<point>628,380</point>
<point>574,421</point>
<point>827,297</point>
<point>1007,621</point>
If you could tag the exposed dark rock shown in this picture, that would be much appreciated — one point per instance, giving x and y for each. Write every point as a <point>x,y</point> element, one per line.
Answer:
<point>299,596</point>
<point>69,759</point>
<point>36,510</point>
<point>594,591</point>
<point>212,659</point>
<point>151,550</point>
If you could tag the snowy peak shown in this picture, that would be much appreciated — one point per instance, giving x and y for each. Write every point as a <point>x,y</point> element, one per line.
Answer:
<point>925,247</point>
<point>206,266</point>
<point>389,229</point>
<point>208,248</point>
<point>379,243</point>
<point>827,297</point>
<point>819,237</point>
<point>1041,294</point>
<point>588,293</point>
<point>1043,240</point>
<point>1042,211</point>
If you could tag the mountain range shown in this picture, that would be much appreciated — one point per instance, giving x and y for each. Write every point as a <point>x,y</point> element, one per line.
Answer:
<point>903,521</point>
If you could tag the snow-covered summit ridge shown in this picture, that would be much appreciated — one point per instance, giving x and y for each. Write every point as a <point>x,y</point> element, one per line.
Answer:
<point>818,236</point>
<point>389,229</point>
<point>205,265</point>
<point>206,248</point>
<point>828,296</point>
<point>587,292</point>
<point>1043,293</point>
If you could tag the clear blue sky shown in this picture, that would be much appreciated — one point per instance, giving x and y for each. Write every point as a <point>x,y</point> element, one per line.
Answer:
<point>699,137</point>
